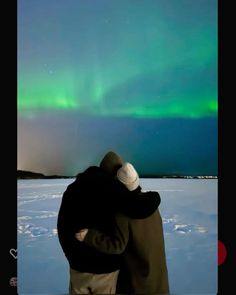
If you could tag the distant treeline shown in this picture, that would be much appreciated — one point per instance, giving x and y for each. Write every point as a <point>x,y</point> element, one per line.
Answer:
<point>22,174</point>
<point>178,176</point>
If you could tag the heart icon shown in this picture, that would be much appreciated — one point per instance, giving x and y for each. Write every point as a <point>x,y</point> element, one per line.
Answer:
<point>13,253</point>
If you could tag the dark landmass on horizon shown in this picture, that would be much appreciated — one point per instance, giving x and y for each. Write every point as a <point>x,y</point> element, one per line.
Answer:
<point>23,174</point>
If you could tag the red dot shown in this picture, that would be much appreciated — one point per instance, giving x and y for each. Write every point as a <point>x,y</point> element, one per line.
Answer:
<point>222,253</point>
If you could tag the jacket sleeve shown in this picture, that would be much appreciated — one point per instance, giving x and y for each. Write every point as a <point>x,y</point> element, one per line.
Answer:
<point>140,205</point>
<point>110,244</point>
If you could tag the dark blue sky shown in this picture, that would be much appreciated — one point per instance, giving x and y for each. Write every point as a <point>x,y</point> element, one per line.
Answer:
<point>136,77</point>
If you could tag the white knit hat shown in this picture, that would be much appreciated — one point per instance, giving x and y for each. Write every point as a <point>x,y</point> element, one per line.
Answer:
<point>128,176</point>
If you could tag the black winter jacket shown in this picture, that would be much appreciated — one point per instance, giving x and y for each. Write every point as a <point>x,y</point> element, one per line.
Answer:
<point>91,201</point>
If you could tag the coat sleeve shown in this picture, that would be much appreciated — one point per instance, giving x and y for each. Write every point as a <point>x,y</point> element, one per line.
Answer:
<point>110,244</point>
<point>140,205</point>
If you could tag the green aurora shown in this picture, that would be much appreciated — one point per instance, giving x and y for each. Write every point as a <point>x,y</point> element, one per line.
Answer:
<point>86,70</point>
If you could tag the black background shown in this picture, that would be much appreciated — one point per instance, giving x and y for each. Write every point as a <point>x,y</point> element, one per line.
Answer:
<point>226,143</point>
<point>8,143</point>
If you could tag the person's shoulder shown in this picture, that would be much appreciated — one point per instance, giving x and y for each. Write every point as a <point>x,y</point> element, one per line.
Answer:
<point>89,173</point>
<point>92,169</point>
<point>94,178</point>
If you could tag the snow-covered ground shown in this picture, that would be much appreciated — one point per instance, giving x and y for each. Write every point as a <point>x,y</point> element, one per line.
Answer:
<point>189,212</point>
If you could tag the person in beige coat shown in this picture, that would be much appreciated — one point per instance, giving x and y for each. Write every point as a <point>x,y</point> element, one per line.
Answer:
<point>141,242</point>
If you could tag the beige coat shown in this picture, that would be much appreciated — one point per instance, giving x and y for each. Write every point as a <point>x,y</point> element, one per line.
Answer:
<point>141,242</point>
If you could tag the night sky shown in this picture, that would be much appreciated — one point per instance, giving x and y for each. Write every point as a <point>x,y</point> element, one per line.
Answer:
<point>138,77</point>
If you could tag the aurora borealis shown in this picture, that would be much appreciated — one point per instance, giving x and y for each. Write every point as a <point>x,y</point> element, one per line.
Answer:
<point>138,77</point>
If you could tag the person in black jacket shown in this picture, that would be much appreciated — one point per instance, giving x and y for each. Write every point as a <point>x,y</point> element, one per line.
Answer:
<point>92,201</point>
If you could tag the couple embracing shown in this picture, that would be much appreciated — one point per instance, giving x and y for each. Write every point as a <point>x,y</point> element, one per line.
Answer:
<point>111,232</point>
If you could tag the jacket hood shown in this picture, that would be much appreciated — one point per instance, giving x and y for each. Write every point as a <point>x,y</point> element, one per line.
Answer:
<point>111,163</point>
